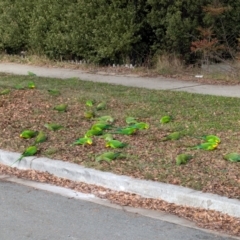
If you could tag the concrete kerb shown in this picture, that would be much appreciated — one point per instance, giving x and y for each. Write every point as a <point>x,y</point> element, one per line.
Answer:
<point>170,193</point>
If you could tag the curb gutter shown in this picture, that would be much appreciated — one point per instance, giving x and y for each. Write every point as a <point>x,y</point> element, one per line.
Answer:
<point>149,189</point>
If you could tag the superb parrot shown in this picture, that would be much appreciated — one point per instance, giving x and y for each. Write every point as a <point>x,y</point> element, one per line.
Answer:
<point>31,85</point>
<point>28,134</point>
<point>211,138</point>
<point>172,136</point>
<point>41,137</point>
<point>53,126</point>
<point>107,119</point>
<point>165,119</point>
<point>101,106</point>
<point>130,120</point>
<point>126,131</point>
<point>61,107</point>
<point>83,141</point>
<point>30,151</point>
<point>183,158</point>
<point>233,157</point>
<point>115,144</point>
<point>206,146</point>
<point>107,156</point>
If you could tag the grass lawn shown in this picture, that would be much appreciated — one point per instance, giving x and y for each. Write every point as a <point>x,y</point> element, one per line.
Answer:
<point>146,156</point>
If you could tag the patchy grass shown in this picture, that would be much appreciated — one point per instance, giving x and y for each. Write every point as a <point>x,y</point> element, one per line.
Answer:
<point>147,157</point>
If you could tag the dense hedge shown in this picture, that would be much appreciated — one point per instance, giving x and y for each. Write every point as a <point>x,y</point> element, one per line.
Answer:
<point>107,31</point>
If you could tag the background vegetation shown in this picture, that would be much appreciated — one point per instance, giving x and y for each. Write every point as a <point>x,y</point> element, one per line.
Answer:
<point>120,31</point>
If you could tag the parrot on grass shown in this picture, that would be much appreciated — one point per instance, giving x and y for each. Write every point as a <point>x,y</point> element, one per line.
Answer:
<point>41,137</point>
<point>108,156</point>
<point>131,120</point>
<point>172,136</point>
<point>208,146</point>
<point>53,126</point>
<point>29,151</point>
<point>101,125</point>
<point>107,137</point>
<point>232,157</point>
<point>183,158</point>
<point>115,144</point>
<point>101,106</point>
<point>54,92</point>
<point>211,138</point>
<point>140,125</point>
<point>107,119</point>
<point>165,119</point>
<point>5,92</point>
<point>28,134</point>
<point>31,85</point>
<point>83,141</point>
<point>90,103</point>
<point>19,87</point>
<point>126,131</point>
<point>89,114</point>
<point>61,107</point>
<point>93,132</point>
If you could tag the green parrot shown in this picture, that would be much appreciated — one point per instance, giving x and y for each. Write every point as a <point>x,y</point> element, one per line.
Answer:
<point>183,158</point>
<point>130,120</point>
<point>172,136</point>
<point>126,131</point>
<point>233,157</point>
<point>90,103</point>
<point>140,125</point>
<point>101,125</point>
<point>94,132</point>
<point>61,107</point>
<point>19,87</point>
<point>115,144</point>
<point>28,134</point>
<point>5,92</point>
<point>41,137</point>
<point>31,73</point>
<point>89,114</point>
<point>83,141</point>
<point>165,119</point>
<point>30,151</point>
<point>54,92</point>
<point>107,156</point>
<point>107,119</point>
<point>107,137</point>
<point>53,126</point>
<point>206,146</point>
<point>211,138</point>
<point>101,106</point>
<point>31,85</point>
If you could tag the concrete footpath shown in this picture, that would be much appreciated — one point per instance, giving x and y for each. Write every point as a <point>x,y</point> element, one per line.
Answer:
<point>158,83</point>
<point>170,193</point>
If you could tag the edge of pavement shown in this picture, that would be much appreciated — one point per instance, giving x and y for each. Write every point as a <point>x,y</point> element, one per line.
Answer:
<point>158,83</point>
<point>170,193</point>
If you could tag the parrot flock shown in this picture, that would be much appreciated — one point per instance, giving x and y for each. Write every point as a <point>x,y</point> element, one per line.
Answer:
<point>104,128</point>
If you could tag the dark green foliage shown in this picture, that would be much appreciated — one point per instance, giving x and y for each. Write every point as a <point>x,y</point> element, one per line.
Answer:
<point>113,31</point>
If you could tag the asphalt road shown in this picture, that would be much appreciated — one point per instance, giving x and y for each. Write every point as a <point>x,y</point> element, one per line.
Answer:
<point>28,213</point>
